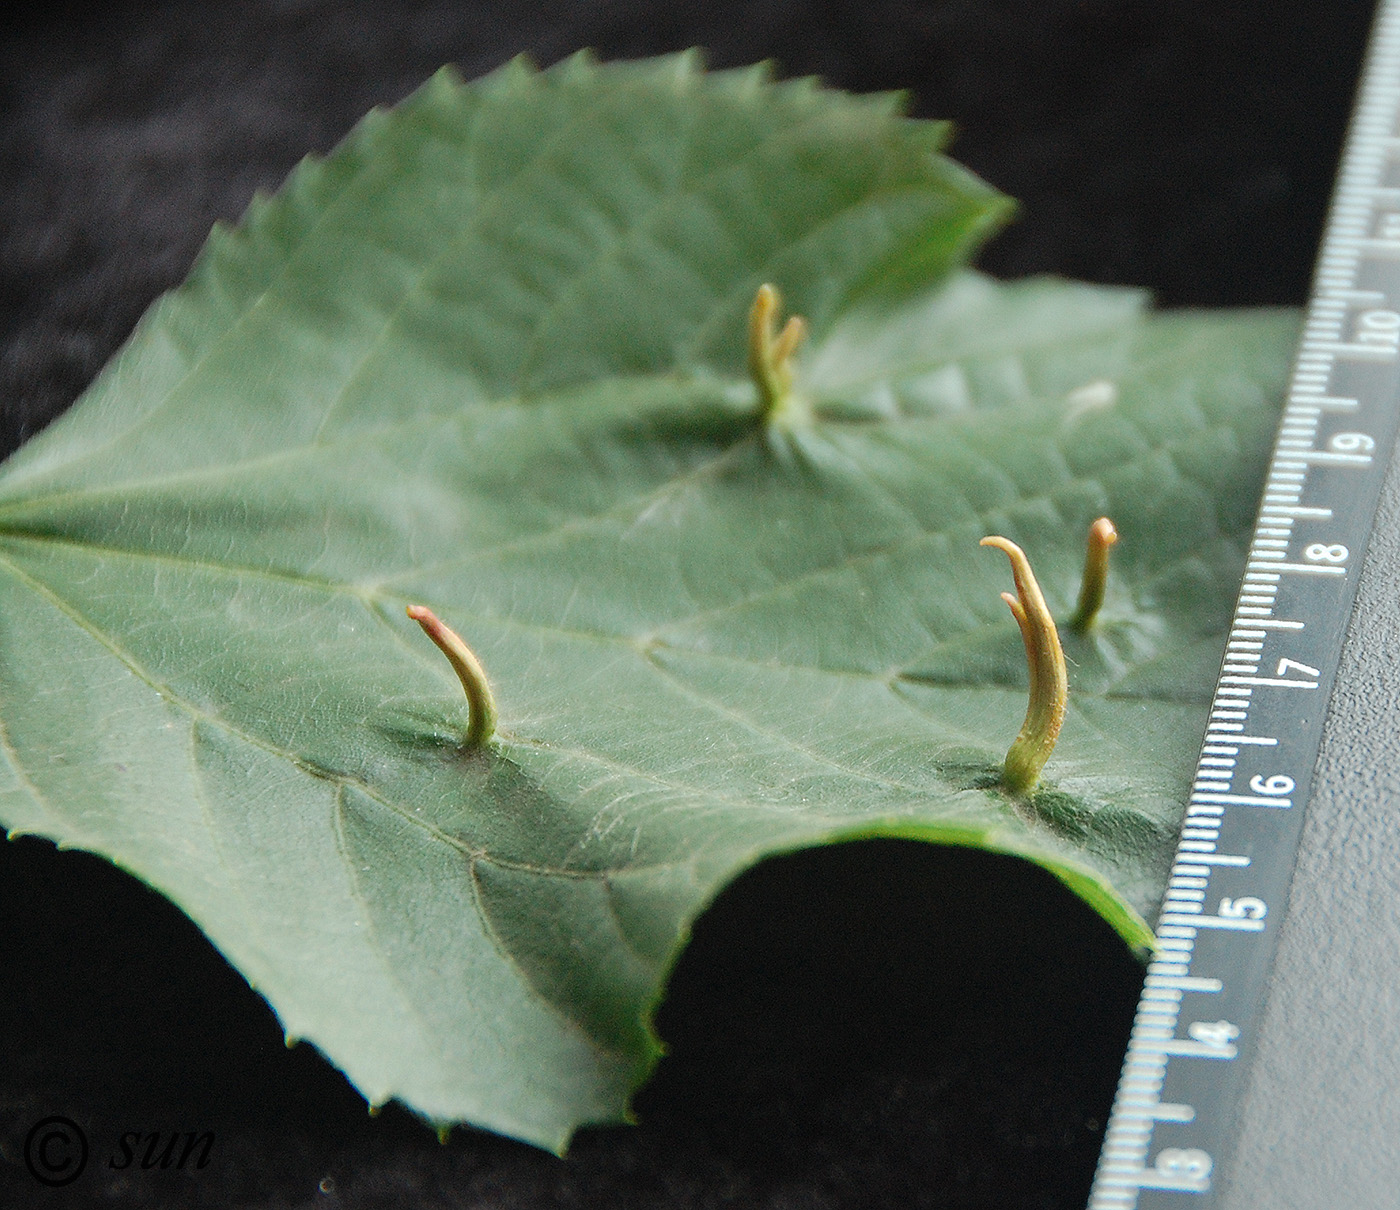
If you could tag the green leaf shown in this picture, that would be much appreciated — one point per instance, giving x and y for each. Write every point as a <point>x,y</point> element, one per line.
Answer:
<point>489,356</point>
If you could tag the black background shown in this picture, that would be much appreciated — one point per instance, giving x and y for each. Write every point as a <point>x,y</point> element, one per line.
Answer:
<point>886,1025</point>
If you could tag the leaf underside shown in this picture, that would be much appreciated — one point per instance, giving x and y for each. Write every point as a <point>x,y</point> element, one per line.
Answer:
<point>489,356</point>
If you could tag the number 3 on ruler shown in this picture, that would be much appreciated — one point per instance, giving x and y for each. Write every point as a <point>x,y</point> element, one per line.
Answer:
<point>1189,1164</point>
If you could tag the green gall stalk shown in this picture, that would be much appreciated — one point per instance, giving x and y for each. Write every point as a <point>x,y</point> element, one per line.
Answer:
<point>1102,536</point>
<point>770,357</point>
<point>481,723</point>
<point>1049,680</point>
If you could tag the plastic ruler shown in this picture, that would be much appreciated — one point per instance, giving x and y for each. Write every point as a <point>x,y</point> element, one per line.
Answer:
<point>1175,1118</point>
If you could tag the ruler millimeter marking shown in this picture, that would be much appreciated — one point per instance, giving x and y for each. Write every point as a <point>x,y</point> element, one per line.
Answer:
<point>1174,1118</point>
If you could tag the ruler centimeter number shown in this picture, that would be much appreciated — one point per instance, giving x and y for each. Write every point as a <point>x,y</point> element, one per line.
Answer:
<point>1175,1114</point>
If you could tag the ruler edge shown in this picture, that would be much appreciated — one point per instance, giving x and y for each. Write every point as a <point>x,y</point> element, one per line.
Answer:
<point>1376,98</point>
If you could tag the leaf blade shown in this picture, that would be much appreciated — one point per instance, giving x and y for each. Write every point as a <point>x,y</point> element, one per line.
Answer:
<point>479,360</point>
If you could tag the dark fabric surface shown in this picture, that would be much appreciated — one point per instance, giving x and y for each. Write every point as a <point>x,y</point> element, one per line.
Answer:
<point>887,1025</point>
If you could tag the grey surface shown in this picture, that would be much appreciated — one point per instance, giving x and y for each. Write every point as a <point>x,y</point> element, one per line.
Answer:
<point>1321,1118</point>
